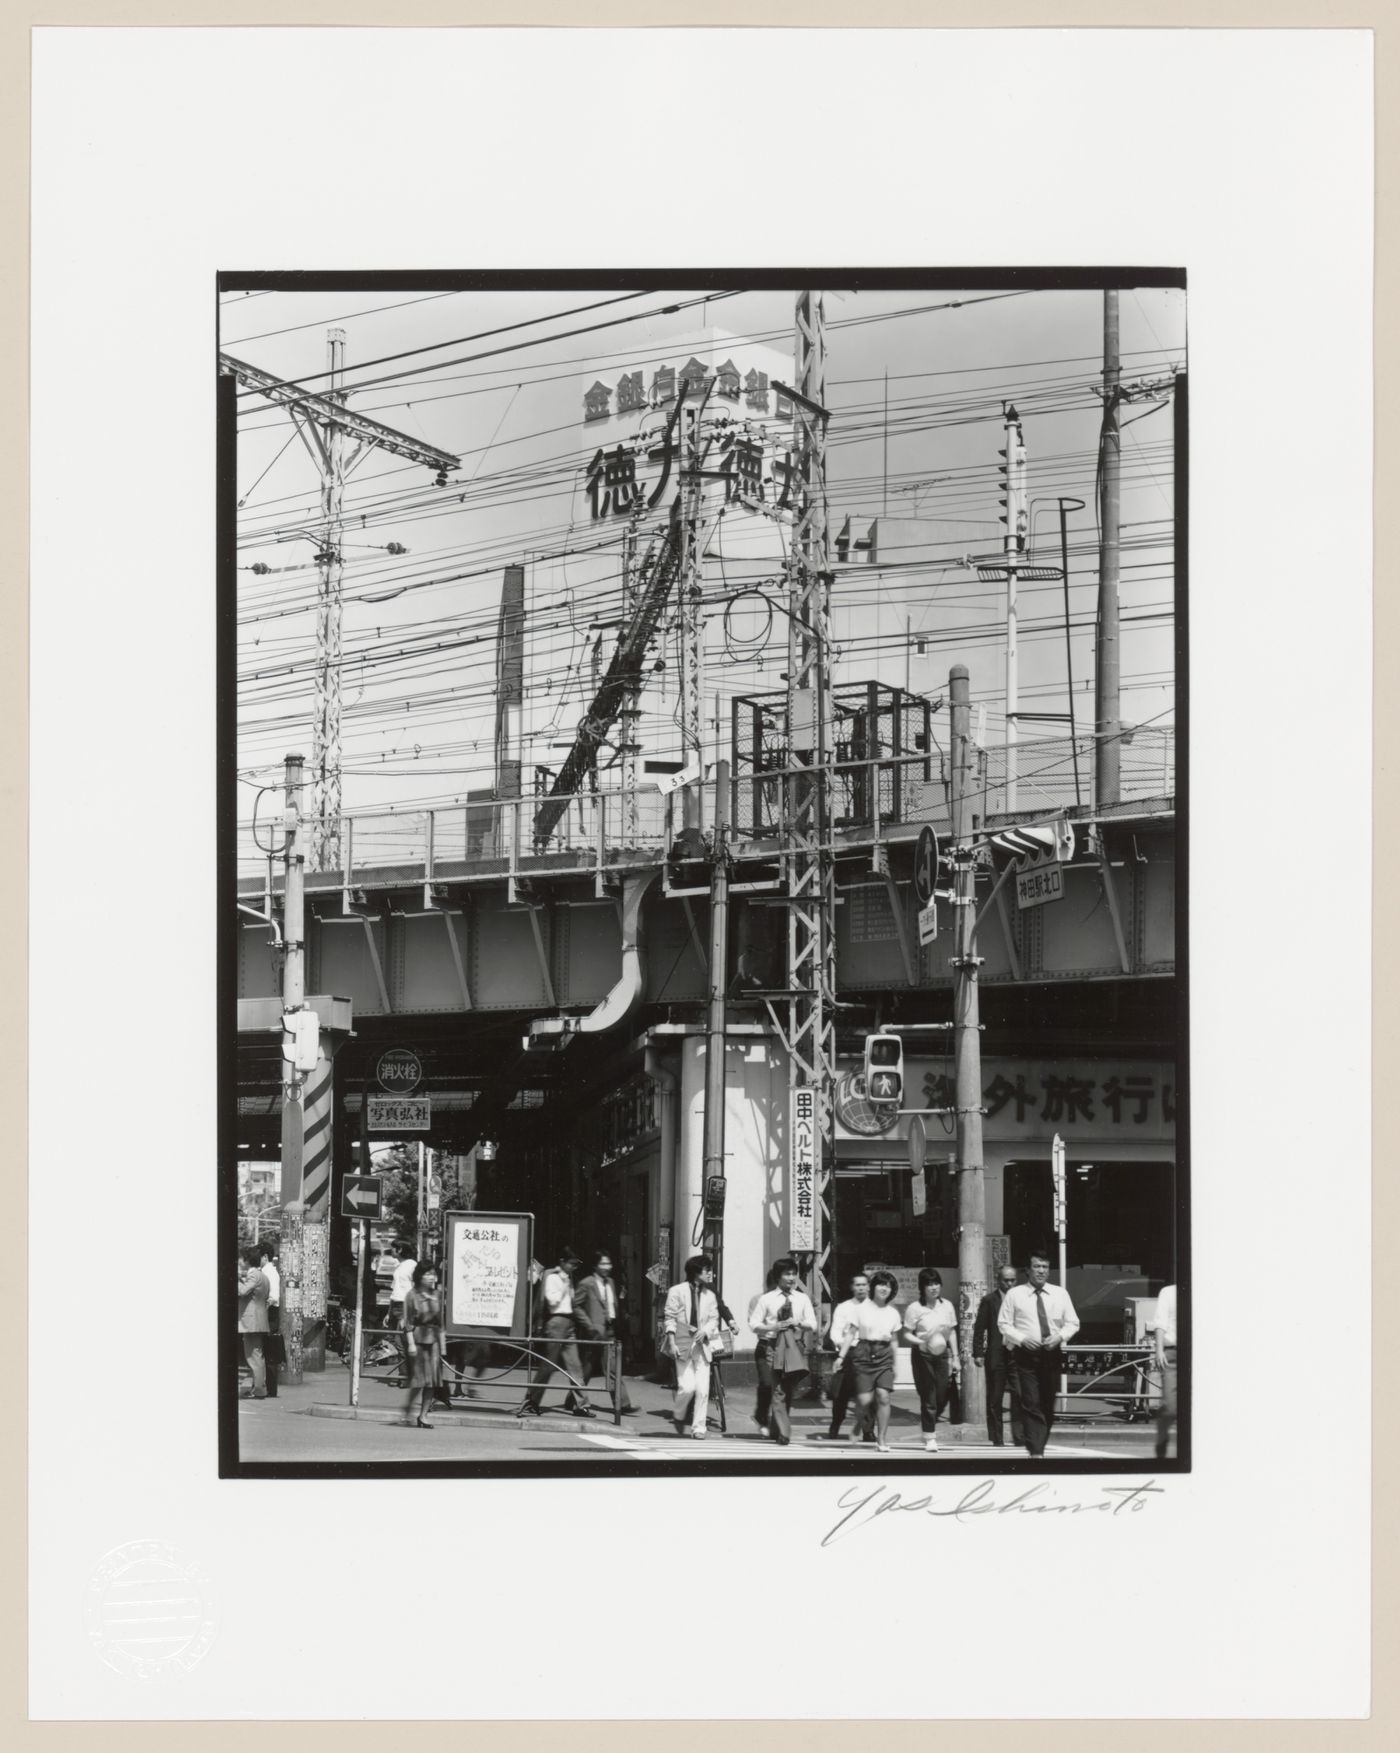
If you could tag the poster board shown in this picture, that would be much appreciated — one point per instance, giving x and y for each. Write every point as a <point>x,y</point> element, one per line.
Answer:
<point>486,1272</point>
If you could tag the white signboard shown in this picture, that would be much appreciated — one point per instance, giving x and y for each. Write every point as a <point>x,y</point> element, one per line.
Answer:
<point>928,925</point>
<point>1035,887</point>
<point>399,1114</point>
<point>485,1268</point>
<point>802,1155</point>
<point>919,1188</point>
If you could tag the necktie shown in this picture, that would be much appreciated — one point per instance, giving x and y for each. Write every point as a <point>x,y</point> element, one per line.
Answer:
<point>694,1307</point>
<point>1041,1316</point>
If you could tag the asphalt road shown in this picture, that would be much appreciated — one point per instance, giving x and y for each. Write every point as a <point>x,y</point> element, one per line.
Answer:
<point>270,1432</point>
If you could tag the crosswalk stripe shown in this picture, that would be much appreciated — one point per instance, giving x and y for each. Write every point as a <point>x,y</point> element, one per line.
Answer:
<point>674,1449</point>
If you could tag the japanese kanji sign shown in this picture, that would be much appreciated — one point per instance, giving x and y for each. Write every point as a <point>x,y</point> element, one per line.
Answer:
<point>1087,1100</point>
<point>802,1155</point>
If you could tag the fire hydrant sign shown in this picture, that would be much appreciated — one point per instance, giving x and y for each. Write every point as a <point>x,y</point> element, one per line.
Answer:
<point>487,1271</point>
<point>802,1149</point>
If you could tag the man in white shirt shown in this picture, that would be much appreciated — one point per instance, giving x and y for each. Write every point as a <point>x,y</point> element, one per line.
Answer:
<point>843,1377</point>
<point>273,1343</point>
<point>691,1322</point>
<point>556,1347</point>
<point>1164,1355</point>
<point>1036,1322</point>
<point>782,1319</point>
<point>402,1284</point>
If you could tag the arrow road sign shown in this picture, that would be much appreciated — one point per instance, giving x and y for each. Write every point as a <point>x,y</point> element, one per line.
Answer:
<point>925,866</point>
<point>362,1196</point>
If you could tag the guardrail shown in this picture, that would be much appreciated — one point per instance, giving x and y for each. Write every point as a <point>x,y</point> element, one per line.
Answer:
<point>1140,1389</point>
<point>611,829</point>
<point>384,1360</point>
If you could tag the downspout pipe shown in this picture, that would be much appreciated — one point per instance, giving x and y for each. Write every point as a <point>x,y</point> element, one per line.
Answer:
<point>624,995</point>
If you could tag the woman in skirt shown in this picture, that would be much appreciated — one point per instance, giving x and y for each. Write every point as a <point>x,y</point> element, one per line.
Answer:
<point>874,1328</point>
<point>932,1326</point>
<point>422,1322</point>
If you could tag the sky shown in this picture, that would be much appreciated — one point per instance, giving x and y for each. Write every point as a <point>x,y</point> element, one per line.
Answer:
<point>916,379</point>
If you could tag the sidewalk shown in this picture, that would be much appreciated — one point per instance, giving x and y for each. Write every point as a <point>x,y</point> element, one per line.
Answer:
<point>327,1395</point>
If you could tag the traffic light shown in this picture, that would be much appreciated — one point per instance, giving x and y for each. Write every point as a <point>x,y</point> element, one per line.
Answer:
<point>884,1069</point>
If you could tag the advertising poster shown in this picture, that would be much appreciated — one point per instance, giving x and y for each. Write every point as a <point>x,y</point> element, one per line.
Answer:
<point>485,1272</point>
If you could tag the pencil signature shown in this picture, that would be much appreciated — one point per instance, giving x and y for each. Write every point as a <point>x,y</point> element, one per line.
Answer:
<point>1040,1499</point>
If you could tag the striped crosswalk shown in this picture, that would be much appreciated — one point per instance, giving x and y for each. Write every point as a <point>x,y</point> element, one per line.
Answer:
<point>737,1447</point>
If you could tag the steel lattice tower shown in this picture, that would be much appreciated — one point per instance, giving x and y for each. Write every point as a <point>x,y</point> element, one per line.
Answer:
<point>325,750</point>
<point>324,423</point>
<point>811,881</point>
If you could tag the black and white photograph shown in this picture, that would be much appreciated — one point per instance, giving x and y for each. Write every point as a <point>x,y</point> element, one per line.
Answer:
<point>708,941</point>
<point>700,878</point>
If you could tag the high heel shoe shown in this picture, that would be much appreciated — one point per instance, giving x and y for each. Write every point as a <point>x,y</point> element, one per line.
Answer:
<point>424,1425</point>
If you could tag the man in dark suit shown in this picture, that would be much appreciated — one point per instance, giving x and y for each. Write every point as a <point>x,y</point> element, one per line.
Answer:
<point>989,1350</point>
<point>595,1316</point>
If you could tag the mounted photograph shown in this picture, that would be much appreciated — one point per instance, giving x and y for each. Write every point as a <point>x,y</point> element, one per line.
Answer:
<point>702,915</point>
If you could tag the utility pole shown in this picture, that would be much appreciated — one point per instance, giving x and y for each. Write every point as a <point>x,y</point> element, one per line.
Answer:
<point>811,883</point>
<point>325,753</point>
<point>293,999</point>
<point>1078,504</point>
<point>1015,517</point>
<point>1106,703</point>
<point>324,422</point>
<point>967,1053</point>
<point>714,1047</point>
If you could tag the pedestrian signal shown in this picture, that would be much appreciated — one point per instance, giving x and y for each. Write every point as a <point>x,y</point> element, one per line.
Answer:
<point>884,1069</point>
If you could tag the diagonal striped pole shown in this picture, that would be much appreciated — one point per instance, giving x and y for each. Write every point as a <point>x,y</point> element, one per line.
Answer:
<point>316,1099</point>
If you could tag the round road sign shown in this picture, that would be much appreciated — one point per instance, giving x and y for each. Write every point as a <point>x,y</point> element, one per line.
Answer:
<point>926,865</point>
<point>399,1071</point>
<point>918,1142</point>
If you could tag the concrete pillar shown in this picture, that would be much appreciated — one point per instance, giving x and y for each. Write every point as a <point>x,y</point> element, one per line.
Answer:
<point>755,1219</point>
<point>690,1156</point>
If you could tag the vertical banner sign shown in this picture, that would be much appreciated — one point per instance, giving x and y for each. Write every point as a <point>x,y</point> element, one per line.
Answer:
<point>920,1191</point>
<point>803,1152</point>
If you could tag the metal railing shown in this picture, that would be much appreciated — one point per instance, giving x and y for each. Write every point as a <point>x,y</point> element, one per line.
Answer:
<point>1134,1386</point>
<point>384,1360</point>
<point>602,831</point>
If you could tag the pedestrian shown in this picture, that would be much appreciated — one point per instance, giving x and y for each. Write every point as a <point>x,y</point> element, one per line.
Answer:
<point>781,1318</point>
<point>272,1347</point>
<point>691,1323</point>
<point>1037,1321</point>
<point>871,1339</point>
<point>989,1353</point>
<point>932,1325</point>
<point>401,1284</point>
<point>470,1353</point>
<point>422,1338</point>
<point>1164,1355</point>
<point>843,1375</point>
<point>595,1316</point>
<point>556,1347</point>
<point>252,1318</point>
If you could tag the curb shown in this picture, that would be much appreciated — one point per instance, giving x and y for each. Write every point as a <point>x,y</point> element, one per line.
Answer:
<point>471,1420</point>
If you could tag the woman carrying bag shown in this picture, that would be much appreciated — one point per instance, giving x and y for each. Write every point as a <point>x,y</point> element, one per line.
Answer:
<point>422,1321</point>
<point>932,1326</point>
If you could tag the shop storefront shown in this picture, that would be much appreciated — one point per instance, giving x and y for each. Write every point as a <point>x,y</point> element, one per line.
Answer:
<point>1118,1121</point>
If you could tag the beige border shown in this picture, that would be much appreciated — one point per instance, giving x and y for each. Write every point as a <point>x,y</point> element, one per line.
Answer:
<point>681,1737</point>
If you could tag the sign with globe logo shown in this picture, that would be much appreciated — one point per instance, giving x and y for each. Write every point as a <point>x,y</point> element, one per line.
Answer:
<point>857,1113</point>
